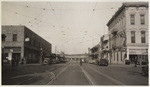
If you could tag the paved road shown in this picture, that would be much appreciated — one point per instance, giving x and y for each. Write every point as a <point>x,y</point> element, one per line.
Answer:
<point>73,74</point>
<point>89,74</point>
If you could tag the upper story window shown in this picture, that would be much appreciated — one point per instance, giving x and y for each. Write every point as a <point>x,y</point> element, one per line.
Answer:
<point>143,37</point>
<point>132,19</point>
<point>132,36</point>
<point>142,18</point>
<point>3,37</point>
<point>14,37</point>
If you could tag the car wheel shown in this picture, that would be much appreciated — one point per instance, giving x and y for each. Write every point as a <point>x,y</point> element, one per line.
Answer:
<point>106,64</point>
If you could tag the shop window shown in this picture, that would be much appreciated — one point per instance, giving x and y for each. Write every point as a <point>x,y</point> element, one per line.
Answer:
<point>132,36</point>
<point>132,19</point>
<point>142,18</point>
<point>14,37</point>
<point>143,37</point>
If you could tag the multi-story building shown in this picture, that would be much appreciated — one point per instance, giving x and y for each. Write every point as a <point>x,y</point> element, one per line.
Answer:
<point>20,42</point>
<point>105,47</point>
<point>128,33</point>
<point>95,52</point>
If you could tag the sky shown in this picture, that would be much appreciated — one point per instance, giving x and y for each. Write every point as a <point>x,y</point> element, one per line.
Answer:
<point>71,27</point>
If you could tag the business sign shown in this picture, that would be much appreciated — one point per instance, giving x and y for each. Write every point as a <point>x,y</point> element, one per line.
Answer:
<point>137,51</point>
<point>27,39</point>
<point>12,50</point>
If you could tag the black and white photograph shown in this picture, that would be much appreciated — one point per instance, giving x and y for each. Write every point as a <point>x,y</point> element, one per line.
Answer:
<point>75,43</point>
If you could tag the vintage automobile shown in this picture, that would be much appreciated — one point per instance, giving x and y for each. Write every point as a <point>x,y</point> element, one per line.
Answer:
<point>90,61</point>
<point>95,61</point>
<point>103,62</point>
<point>47,61</point>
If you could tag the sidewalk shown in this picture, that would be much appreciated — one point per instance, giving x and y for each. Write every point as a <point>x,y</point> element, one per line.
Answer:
<point>8,71</point>
<point>26,71</point>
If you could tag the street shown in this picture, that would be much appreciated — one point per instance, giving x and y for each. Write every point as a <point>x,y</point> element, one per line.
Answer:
<point>71,73</point>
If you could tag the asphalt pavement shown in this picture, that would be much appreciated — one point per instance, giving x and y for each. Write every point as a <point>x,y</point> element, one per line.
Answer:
<point>72,73</point>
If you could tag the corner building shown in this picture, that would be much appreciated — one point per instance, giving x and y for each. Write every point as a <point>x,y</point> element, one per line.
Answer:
<point>20,42</point>
<point>128,33</point>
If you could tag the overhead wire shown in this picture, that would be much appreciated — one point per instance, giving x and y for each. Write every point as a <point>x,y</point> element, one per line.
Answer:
<point>92,15</point>
<point>53,10</point>
<point>29,17</point>
<point>27,6</point>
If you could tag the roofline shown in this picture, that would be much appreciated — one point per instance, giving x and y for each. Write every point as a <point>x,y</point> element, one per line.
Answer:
<point>26,28</point>
<point>135,4</point>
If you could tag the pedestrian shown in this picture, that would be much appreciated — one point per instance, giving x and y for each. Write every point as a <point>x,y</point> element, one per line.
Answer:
<point>135,61</point>
<point>22,61</point>
<point>80,62</point>
<point>12,62</point>
<point>17,61</point>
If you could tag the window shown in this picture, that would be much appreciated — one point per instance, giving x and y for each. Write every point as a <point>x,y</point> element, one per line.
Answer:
<point>132,19</point>
<point>143,37</point>
<point>14,37</point>
<point>142,18</point>
<point>132,36</point>
<point>3,37</point>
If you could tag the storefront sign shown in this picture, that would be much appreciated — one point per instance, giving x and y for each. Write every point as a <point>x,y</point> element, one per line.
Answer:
<point>137,51</point>
<point>12,49</point>
<point>27,39</point>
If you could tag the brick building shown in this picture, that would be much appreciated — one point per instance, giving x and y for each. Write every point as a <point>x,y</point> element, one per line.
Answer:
<point>128,33</point>
<point>20,42</point>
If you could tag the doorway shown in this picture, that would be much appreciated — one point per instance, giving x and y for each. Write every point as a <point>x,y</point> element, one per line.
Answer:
<point>16,58</point>
<point>132,58</point>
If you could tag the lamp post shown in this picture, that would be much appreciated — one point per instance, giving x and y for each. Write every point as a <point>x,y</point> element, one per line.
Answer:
<point>41,53</point>
<point>2,49</point>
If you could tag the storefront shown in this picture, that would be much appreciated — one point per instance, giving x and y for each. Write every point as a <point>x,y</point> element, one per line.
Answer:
<point>138,54</point>
<point>12,55</point>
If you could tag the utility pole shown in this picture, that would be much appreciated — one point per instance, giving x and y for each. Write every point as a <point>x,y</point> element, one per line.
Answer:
<point>110,49</point>
<point>41,54</point>
<point>55,49</point>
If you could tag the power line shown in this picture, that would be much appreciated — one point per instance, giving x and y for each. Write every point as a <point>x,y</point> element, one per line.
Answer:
<point>27,6</point>
<point>92,15</point>
<point>54,13</point>
<point>30,21</point>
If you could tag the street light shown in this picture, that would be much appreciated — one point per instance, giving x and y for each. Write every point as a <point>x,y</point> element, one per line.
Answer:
<point>41,53</point>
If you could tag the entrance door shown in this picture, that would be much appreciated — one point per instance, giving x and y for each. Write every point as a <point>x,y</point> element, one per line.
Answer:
<point>132,58</point>
<point>16,58</point>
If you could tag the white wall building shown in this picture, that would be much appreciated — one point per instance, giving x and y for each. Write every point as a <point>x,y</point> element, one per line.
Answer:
<point>128,33</point>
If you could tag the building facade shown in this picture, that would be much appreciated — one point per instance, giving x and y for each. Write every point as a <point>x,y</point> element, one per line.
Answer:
<point>20,42</point>
<point>95,54</point>
<point>128,33</point>
<point>105,47</point>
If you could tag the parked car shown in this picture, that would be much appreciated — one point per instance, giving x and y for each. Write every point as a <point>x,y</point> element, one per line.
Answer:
<point>127,62</point>
<point>103,62</point>
<point>95,61</point>
<point>90,61</point>
<point>47,61</point>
